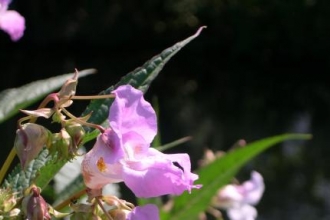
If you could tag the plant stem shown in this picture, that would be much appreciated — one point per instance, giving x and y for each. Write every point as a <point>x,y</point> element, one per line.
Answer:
<point>88,97</point>
<point>99,127</point>
<point>7,163</point>
<point>68,201</point>
<point>103,209</point>
<point>174,143</point>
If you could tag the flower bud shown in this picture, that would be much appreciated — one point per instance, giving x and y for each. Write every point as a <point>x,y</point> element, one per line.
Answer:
<point>34,206</point>
<point>119,214</point>
<point>61,143</point>
<point>30,139</point>
<point>77,133</point>
<point>69,87</point>
<point>84,212</point>
<point>7,200</point>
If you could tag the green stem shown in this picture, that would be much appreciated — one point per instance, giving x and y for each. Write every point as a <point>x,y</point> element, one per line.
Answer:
<point>66,202</point>
<point>50,97</point>
<point>7,163</point>
<point>174,143</point>
<point>99,127</point>
<point>88,97</point>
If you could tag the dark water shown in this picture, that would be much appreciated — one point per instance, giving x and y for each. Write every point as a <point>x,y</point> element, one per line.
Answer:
<point>259,69</point>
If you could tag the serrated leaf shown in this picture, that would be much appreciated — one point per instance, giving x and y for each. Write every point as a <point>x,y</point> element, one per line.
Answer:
<point>218,174</point>
<point>140,78</point>
<point>19,179</point>
<point>11,100</point>
<point>40,171</point>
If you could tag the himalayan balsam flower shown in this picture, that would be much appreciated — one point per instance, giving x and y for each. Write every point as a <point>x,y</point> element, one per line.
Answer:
<point>238,199</point>
<point>123,153</point>
<point>146,212</point>
<point>11,21</point>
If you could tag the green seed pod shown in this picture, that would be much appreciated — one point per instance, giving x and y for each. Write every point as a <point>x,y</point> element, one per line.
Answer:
<point>61,144</point>
<point>76,132</point>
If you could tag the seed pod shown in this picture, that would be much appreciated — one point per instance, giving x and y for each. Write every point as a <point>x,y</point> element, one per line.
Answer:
<point>77,133</point>
<point>61,143</point>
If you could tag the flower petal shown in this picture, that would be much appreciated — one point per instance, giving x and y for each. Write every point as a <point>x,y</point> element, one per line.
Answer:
<point>249,192</point>
<point>147,212</point>
<point>4,4</point>
<point>100,166</point>
<point>157,174</point>
<point>131,113</point>
<point>12,23</point>
<point>244,212</point>
<point>253,189</point>
<point>228,196</point>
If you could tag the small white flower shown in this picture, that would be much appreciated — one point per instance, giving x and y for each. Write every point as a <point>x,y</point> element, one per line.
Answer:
<point>238,199</point>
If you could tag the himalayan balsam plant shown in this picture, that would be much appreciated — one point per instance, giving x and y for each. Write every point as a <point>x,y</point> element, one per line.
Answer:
<point>121,125</point>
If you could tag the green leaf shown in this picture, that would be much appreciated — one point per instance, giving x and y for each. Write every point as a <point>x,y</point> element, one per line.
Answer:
<point>19,179</point>
<point>11,100</point>
<point>140,78</point>
<point>218,174</point>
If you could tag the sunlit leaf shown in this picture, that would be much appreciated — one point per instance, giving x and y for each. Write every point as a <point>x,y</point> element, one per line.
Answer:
<point>218,174</point>
<point>140,78</point>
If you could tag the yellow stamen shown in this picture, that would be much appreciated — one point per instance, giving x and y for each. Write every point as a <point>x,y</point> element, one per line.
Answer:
<point>101,165</point>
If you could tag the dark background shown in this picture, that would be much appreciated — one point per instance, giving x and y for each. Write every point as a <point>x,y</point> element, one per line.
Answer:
<point>259,69</point>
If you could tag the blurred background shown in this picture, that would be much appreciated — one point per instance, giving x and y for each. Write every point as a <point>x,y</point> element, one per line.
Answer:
<point>258,70</point>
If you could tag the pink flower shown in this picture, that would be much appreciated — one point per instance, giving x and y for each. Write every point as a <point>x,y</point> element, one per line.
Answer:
<point>123,153</point>
<point>147,212</point>
<point>11,21</point>
<point>238,199</point>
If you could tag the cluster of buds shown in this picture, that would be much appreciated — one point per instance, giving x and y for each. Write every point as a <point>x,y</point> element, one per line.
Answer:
<point>31,138</point>
<point>110,207</point>
<point>8,202</point>
<point>30,206</point>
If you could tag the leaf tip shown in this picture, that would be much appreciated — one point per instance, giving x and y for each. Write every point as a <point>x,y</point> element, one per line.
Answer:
<point>199,30</point>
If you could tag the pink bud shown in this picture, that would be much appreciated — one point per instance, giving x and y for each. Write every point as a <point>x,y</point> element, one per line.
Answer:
<point>30,139</point>
<point>34,206</point>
